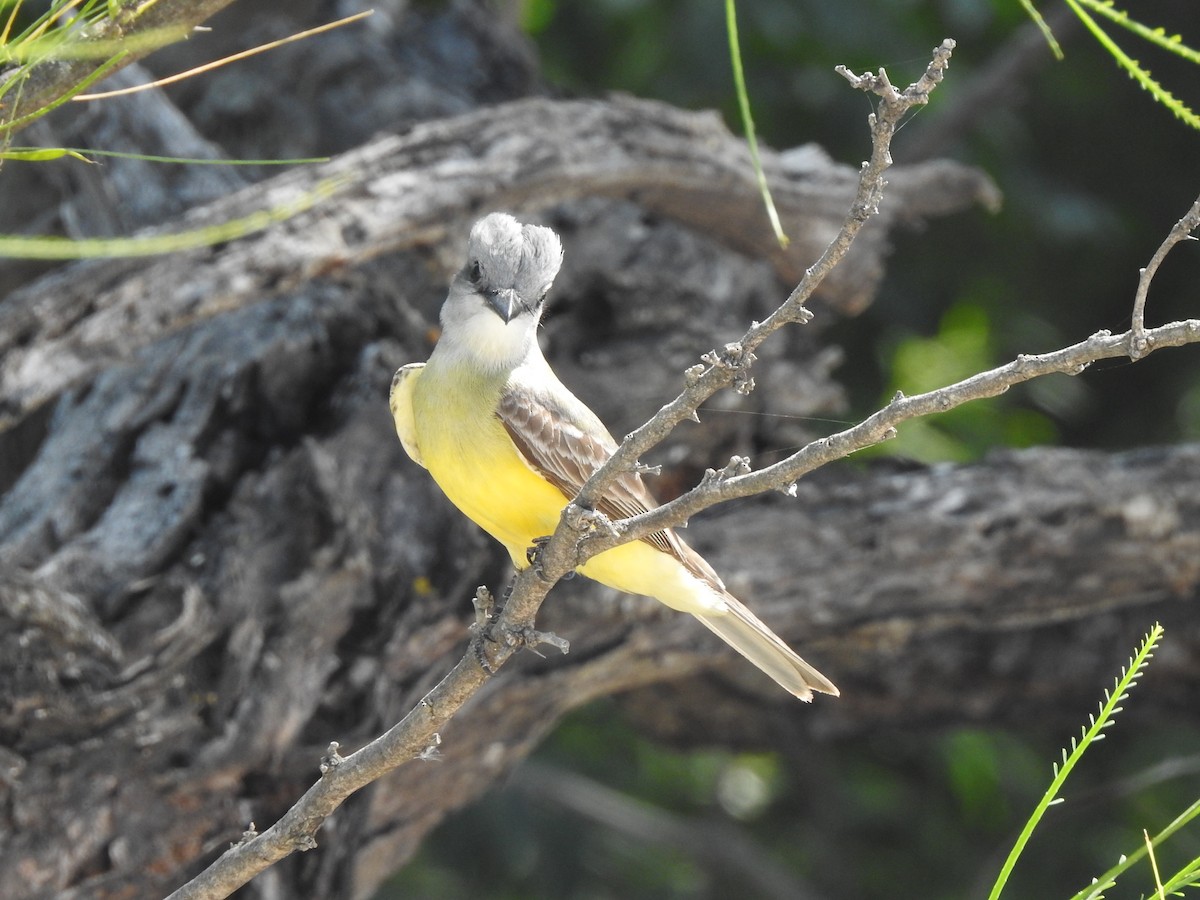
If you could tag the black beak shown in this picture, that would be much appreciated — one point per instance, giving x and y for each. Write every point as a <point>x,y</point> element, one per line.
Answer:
<point>506,303</point>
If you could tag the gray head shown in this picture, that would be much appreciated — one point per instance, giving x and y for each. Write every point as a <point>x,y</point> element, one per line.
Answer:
<point>495,300</point>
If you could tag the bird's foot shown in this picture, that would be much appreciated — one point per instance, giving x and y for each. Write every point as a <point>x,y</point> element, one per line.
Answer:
<point>486,608</point>
<point>489,634</point>
<point>534,557</point>
<point>479,649</point>
<point>498,636</point>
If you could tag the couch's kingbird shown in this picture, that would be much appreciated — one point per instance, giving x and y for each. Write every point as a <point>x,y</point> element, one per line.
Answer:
<point>510,446</point>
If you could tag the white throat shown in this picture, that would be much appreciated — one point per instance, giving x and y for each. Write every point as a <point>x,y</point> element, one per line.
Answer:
<point>487,343</point>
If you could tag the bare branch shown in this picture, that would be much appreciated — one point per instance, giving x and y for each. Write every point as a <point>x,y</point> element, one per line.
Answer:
<point>411,738</point>
<point>581,534</point>
<point>1139,341</point>
<point>718,487</point>
<point>731,366</point>
<point>881,426</point>
<point>414,735</point>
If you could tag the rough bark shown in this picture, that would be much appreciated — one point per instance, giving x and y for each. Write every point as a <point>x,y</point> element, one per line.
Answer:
<point>215,559</point>
<point>419,189</point>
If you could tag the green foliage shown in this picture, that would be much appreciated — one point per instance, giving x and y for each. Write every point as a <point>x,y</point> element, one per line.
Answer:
<point>41,154</point>
<point>8,126</point>
<point>739,84</point>
<point>1187,876</point>
<point>28,36</point>
<point>1157,36</point>
<point>55,247</point>
<point>1109,708</point>
<point>60,34</point>
<point>974,767</point>
<point>962,346</point>
<point>536,15</point>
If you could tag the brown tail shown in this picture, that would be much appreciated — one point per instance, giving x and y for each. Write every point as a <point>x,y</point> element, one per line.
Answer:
<point>745,633</point>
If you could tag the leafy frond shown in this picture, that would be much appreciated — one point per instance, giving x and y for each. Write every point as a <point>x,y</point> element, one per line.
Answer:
<point>1031,10</point>
<point>1157,36</point>
<point>1187,877</point>
<point>1109,708</point>
<point>1135,70</point>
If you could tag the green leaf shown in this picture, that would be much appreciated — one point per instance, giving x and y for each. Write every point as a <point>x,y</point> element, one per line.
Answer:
<point>1108,710</point>
<point>739,81</point>
<point>41,154</point>
<point>1130,65</point>
<point>20,247</point>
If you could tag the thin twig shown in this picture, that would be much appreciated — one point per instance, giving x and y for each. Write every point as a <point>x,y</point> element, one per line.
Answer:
<point>407,740</point>
<point>881,426</point>
<point>580,533</point>
<point>731,366</point>
<point>410,738</point>
<point>1183,230</point>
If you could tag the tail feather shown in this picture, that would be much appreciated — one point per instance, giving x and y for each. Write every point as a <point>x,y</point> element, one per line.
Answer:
<point>746,633</point>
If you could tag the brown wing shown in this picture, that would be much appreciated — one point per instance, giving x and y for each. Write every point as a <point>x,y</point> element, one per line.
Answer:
<point>566,453</point>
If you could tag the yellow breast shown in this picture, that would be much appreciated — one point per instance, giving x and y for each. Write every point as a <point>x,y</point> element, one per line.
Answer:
<point>470,455</point>
<point>474,462</point>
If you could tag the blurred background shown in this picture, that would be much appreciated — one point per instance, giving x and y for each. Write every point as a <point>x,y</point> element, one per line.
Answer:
<point>1094,173</point>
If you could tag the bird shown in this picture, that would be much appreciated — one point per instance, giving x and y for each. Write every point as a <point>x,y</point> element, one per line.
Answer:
<point>510,445</point>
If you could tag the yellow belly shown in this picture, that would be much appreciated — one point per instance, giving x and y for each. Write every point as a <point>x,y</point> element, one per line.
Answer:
<point>494,488</point>
<point>473,460</point>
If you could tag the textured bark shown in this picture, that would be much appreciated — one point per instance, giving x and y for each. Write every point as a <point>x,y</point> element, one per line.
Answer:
<point>215,559</point>
<point>420,189</point>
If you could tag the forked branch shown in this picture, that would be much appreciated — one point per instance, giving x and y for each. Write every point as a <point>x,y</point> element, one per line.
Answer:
<point>578,536</point>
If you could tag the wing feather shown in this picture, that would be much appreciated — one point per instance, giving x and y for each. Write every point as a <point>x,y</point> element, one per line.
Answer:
<point>567,452</point>
<point>400,400</point>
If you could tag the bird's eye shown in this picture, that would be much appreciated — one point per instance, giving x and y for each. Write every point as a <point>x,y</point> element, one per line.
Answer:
<point>474,272</point>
